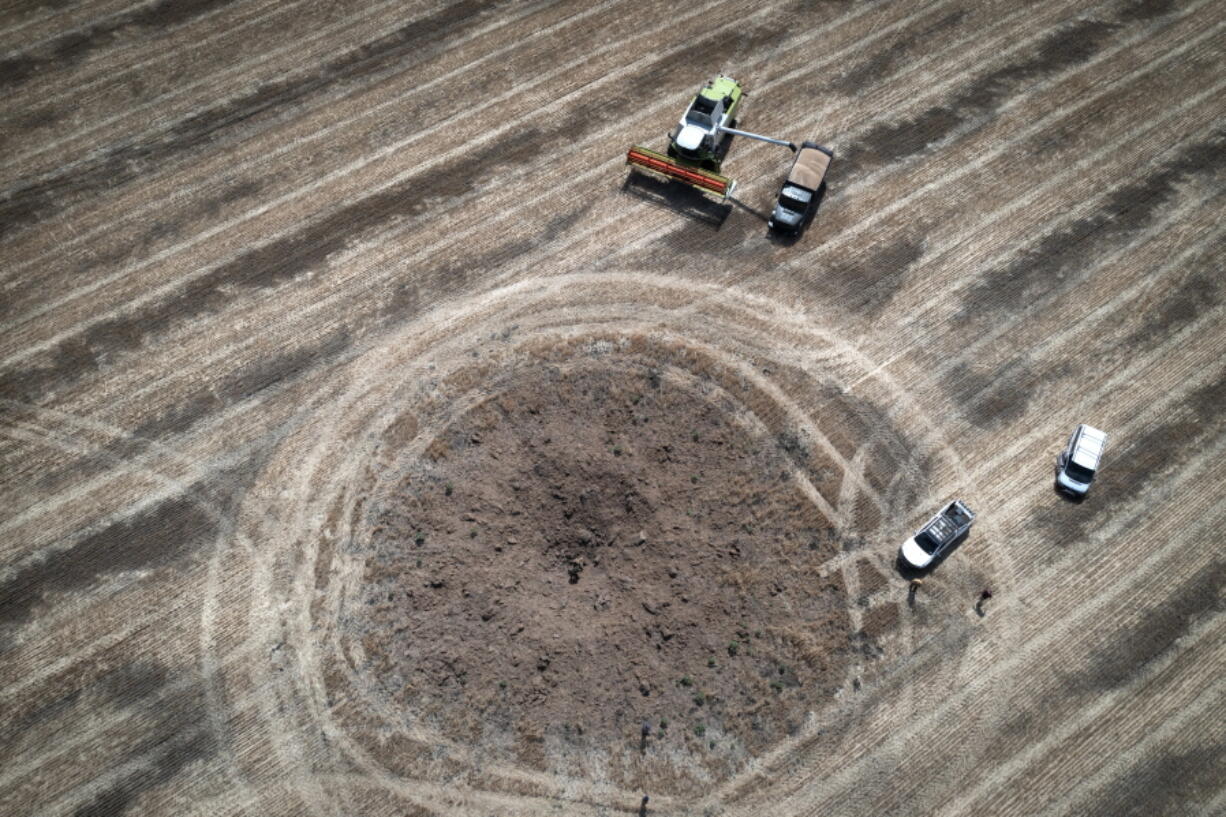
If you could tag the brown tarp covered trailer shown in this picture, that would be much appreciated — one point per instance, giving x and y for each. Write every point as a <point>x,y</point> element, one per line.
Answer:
<point>809,168</point>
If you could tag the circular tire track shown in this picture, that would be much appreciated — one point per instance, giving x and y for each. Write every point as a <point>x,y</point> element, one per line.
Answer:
<point>68,433</point>
<point>856,446</point>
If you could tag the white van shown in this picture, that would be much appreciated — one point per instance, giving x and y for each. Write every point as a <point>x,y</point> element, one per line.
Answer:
<point>1078,462</point>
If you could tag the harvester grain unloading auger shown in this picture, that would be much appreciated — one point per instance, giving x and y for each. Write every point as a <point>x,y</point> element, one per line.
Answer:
<point>699,143</point>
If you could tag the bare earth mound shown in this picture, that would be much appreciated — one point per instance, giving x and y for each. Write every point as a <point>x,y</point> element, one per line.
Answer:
<point>595,547</point>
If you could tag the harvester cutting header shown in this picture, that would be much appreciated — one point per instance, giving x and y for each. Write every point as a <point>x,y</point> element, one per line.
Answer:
<point>699,143</point>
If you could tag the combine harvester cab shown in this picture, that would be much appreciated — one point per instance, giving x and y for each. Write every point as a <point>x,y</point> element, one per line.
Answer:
<point>697,146</point>
<point>701,138</point>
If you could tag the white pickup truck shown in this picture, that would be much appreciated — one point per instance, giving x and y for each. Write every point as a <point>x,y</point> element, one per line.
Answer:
<point>938,533</point>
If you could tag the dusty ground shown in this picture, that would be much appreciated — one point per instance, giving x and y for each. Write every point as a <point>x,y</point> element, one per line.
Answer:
<point>370,445</point>
<point>598,546</point>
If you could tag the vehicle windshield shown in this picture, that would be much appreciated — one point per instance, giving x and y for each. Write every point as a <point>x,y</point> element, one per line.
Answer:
<point>1078,473</point>
<point>926,542</point>
<point>700,112</point>
<point>789,203</point>
<point>959,516</point>
<point>698,118</point>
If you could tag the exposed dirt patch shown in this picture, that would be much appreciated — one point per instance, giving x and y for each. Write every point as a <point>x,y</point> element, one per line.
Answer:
<point>599,545</point>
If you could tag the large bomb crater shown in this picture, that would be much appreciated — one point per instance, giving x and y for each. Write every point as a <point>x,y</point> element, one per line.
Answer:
<point>595,545</point>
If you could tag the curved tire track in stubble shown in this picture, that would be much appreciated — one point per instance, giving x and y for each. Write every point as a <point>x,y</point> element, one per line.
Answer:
<point>307,501</point>
<point>199,512</point>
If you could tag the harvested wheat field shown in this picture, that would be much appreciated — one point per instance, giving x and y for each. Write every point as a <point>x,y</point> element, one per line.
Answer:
<point>374,443</point>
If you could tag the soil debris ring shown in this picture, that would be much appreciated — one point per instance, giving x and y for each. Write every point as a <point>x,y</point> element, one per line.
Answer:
<point>473,562</point>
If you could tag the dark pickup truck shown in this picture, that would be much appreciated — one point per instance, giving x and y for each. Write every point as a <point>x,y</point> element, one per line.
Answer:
<point>799,193</point>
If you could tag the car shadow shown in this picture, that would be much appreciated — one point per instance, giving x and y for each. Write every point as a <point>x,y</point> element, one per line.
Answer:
<point>1067,495</point>
<point>781,239</point>
<point>677,197</point>
<point>908,572</point>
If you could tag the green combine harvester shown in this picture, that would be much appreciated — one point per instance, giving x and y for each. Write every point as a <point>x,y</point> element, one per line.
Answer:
<point>699,143</point>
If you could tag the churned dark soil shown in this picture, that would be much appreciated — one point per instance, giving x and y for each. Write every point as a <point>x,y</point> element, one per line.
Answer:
<point>598,547</point>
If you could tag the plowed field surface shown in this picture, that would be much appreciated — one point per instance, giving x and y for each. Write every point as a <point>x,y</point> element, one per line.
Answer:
<point>372,443</point>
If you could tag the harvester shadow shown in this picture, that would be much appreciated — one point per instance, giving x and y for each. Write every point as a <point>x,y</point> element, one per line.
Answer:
<point>678,197</point>
<point>738,203</point>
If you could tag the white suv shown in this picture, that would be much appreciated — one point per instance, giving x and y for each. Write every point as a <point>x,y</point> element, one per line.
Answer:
<point>1078,462</point>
